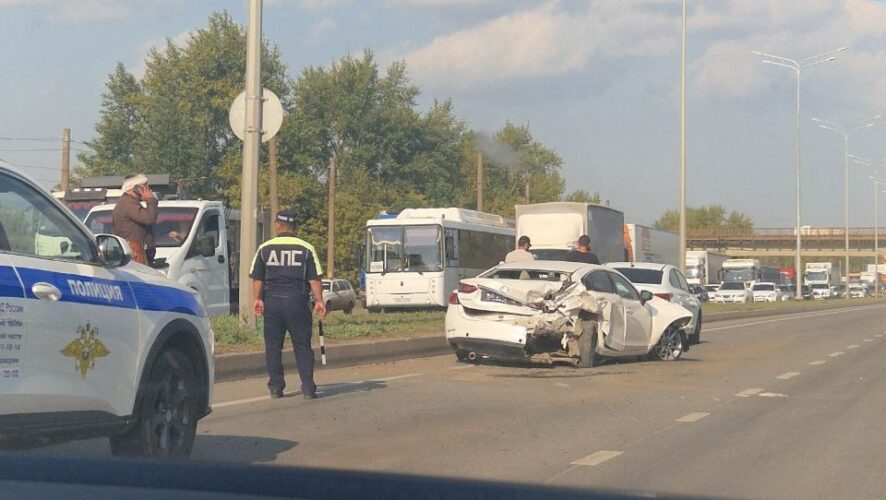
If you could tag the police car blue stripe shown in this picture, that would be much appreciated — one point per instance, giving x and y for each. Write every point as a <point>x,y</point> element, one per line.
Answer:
<point>111,293</point>
<point>9,283</point>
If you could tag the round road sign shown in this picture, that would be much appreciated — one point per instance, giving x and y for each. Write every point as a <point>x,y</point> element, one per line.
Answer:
<point>271,115</point>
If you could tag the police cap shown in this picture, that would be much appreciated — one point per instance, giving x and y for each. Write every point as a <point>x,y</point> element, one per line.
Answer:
<point>286,217</point>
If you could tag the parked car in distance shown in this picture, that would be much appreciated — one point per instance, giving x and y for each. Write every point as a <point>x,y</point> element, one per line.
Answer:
<point>787,291</point>
<point>857,291</point>
<point>838,291</point>
<point>700,292</point>
<point>712,289</point>
<point>807,292</point>
<point>766,292</point>
<point>820,290</point>
<point>732,292</point>
<point>667,282</point>
<point>338,294</point>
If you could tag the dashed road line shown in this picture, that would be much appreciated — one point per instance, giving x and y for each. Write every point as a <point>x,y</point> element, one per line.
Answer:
<point>853,346</point>
<point>753,391</point>
<point>461,367</point>
<point>787,375</point>
<point>793,317</point>
<point>818,362</point>
<point>772,395</point>
<point>837,353</point>
<point>693,417</point>
<point>395,377</point>
<point>868,340</point>
<point>878,335</point>
<point>597,458</point>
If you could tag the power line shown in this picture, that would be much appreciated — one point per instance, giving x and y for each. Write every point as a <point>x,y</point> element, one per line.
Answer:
<point>33,139</point>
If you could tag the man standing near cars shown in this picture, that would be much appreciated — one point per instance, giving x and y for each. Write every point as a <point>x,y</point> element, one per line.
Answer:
<point>521,254</point>
<point>583,252</point>
<point>134,222</point>
<point>285,272</point>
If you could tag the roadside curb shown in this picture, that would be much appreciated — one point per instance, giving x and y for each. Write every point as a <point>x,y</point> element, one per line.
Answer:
<point>239,366</point>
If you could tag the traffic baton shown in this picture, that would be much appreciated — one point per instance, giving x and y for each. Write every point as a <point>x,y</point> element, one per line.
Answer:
<point>322,345</point>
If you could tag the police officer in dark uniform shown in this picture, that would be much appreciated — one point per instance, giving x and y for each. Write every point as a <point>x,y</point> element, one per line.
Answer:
<point>285,271</point>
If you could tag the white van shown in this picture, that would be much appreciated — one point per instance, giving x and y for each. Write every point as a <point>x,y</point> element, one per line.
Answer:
<point>197,245</point>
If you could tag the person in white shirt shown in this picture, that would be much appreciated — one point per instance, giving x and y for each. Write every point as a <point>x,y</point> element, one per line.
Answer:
<point>521,254</point>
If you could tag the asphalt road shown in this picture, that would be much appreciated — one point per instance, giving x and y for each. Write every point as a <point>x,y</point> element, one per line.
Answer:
<point>786,407</point>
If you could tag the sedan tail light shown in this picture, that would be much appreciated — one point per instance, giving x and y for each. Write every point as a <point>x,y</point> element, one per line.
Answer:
<point>453,298</point>
<point>466,288</point>
<point>666,296</point>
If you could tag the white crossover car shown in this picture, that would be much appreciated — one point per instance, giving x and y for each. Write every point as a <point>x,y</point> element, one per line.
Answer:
<point>92,344</point>
<point>667,282</point>
<point>766,292</point>
<point>561,312</point>
<point>732,292</point>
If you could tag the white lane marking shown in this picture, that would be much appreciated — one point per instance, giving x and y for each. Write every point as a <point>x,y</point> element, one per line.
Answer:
<point>787,375</point>
<point>837,353</point>
<point>597,458</point>
<point>461,367</point>
<point>236,402</point>
<point>878,335</point>
<point>753,391</point>
<point>249,400</point>
<point>561,384</point>
<point>693,417</point>
<point>818,362</point>
<point>395,377</point>
<point>853,346</point>
<point>868,340</point>
<point>789,317</point>
<point>772,395</point>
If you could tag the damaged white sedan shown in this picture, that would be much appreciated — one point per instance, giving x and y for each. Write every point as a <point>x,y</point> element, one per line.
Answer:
<point>561,312</point>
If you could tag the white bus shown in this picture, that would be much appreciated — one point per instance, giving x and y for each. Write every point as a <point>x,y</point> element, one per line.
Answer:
<point>418,257</point>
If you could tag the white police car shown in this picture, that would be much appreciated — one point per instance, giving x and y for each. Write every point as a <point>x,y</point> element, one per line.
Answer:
<point>92,344</point>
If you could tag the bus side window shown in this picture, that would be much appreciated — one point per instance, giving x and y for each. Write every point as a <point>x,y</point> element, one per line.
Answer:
<point>451,248</point>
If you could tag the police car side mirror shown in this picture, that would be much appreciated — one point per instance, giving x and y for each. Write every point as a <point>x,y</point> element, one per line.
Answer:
<point>114,251</point>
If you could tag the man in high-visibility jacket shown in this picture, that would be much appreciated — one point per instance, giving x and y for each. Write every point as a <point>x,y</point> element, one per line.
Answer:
<point>285,272</point>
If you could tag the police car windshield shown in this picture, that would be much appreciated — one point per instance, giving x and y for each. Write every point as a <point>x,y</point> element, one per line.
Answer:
<point>404,248</point>
<point>171,230</point>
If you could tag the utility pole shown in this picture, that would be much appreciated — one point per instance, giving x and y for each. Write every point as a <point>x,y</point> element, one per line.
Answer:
<point>251,143</point>
<point>330,240</point>
<point>682,256</point>
<point>272,181</point>
<point>66,158</point>
<point>527,191</point>
<point>480,181</point>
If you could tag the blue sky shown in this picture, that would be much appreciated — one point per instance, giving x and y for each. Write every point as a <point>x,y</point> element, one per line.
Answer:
<point>597,80</point>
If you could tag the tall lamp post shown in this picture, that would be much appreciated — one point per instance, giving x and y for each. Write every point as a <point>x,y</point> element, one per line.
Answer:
<point>798,67</point>
<point>845,131</point>
<point>683,141</point>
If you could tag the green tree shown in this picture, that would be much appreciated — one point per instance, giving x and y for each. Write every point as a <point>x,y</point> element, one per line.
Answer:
<point>113,150</point>
<point>711,216</point>
<point>583,196</point>
<point>179,114</point>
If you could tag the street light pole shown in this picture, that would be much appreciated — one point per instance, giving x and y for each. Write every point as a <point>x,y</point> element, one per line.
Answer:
<point>683,144</point>
<point>845,131</point>
<point>798,67</point>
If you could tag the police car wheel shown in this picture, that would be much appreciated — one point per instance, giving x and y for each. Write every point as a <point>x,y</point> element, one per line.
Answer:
<point>167,416</point>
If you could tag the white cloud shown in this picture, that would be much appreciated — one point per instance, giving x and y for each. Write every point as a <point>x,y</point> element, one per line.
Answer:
<point>144,48</point>
<point>547,40</point>
<point>321,31</point>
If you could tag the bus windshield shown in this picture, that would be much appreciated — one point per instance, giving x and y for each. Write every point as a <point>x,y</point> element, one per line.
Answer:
<point>746,274</point>
<point>404,248</point>
<point>171,229</point>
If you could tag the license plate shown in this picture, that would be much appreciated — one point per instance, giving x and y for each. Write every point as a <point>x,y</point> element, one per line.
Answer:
<point>401,300</point>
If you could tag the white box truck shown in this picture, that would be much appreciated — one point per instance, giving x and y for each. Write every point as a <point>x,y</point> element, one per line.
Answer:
<point>198,245</point>
<point>703,267</point>
<point>648,244</point>
<point>554,229</point>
